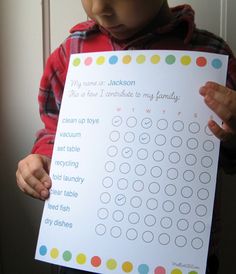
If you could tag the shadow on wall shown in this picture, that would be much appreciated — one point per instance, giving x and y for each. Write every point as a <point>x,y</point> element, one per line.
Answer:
<point>20,215</point>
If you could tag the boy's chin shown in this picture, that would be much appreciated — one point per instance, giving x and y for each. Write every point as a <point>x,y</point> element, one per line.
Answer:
<point>123,35</point>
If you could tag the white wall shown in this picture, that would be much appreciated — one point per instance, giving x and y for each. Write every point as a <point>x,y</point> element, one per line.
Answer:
<point>73,11</point>
<point>20,70</point>
<point>231,23</point>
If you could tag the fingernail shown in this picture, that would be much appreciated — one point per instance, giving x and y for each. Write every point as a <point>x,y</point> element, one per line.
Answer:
<point>211,123</point>
<point>202,90</point>
<point>44,194</point>
<point>211,85</point>
<point>47,184</point>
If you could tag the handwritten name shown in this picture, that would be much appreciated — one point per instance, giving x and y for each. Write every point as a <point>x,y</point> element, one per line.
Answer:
<point>121,83</point>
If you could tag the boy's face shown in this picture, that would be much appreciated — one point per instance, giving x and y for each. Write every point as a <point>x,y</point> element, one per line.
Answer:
<point>122,18</point>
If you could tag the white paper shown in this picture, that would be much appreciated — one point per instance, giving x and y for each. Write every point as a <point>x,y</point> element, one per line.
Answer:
<point>134,164</point>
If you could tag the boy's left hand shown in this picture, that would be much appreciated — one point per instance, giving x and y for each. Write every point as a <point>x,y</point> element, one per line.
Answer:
<point>222,101</point>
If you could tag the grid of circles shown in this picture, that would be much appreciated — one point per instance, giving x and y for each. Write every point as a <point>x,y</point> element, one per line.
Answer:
<point>170,59</point>
<point>111,264</point>
<point>168,206</point>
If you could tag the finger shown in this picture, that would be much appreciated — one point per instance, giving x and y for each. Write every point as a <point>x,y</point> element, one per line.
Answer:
<point>36,184</point>
<point>46,163</point>
<point>221,100</point>
<point>209,85</point>
<point>44,178</point>
<point>46,168</point>
<point>35,177</point>
<point>213,86</point>
<point>222,94</point>
<point>218,131</point>
<point>220,109</point>
<point>31,169</point>
<point>25,187</point>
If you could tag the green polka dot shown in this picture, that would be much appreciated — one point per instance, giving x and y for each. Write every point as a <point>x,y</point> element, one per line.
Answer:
<point>185,60</point>
<point>155,59</point>
<point>81,259</point>
<point>170,59</point>
<point>111,264</point>
<point>76,62</point>
<point>193,272</point>
<point>141,59</point>
<point>67,256</point>
<point>100,60</point>
<point>54,253</point>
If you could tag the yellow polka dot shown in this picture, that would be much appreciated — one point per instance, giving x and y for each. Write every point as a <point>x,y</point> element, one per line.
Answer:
<point>176,271</point>
<point>155,59</point>
<point>141,59</point>
<point>81,258</point>
<point>127,59</point>
<point>76,62</point>
<point>100,60</point>
<point>111,264</point>
<point>185,60</point>
<point>127,267</point>
<point>54,253</point>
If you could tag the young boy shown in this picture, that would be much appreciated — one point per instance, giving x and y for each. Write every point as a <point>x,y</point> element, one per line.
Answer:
<point>126,25</point>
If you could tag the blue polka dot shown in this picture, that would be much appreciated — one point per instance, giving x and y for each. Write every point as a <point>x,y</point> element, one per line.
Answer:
<point>216,63</point>
<point>143,269</point>
<point>113,60</point>
<point>43,250</point>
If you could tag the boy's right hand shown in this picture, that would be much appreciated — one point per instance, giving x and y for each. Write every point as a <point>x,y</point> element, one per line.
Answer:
<point>32,176</point>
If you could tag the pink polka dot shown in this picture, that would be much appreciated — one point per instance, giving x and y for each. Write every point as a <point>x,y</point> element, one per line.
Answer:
<point>160,270</point>
<point>88,61</point>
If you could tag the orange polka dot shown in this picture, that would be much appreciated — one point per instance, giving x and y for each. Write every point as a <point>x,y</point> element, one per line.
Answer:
<point>201,61</point>
<point>127,267</point>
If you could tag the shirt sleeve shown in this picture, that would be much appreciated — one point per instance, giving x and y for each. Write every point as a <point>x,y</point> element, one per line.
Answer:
<point>49,98</point>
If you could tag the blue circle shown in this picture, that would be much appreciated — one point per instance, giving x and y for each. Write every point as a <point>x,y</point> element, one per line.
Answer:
<point>217,63</point>
<point>113,60</point>
<point>143,269</point>
<point>43,250</point>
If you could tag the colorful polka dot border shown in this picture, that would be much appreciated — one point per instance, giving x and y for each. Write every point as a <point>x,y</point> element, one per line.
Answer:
<point>170,59</point>
<point>110,264</point>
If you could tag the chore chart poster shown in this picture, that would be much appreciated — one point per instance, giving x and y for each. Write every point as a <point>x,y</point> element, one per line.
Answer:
<point>134,164</point>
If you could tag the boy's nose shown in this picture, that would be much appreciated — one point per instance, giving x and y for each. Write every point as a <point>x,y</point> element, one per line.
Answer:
<point>101,8</point>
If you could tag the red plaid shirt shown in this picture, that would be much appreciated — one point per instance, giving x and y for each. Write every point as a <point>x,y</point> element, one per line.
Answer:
<point>179,34</point>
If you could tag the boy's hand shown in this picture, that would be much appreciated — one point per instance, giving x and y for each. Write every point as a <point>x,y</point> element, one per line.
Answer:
<point>32,176</point>
<point>222,101</point>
